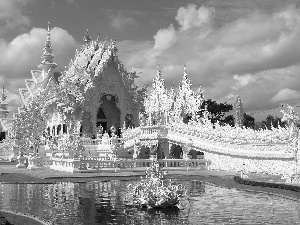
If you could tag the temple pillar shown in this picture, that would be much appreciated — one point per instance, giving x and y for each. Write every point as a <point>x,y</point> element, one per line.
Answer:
<point>68,127</point>
<point>165,147</point>
<point>185,151</point>
<point>169,150</point>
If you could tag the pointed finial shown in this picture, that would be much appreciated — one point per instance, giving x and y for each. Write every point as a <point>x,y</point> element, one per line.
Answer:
<point>114,48</point>
<point>48,42</point>
<point>3,97</point>
<point>158,70</point>
<point>86,37</point>
<point>104,43</point>
<point>98,38</point>
<point>184,70</point>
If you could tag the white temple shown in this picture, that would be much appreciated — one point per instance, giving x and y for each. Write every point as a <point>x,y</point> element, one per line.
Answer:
<point>239,112</point>
<point>96,94</point>
<point>4,121</point>
<point>94,90</point>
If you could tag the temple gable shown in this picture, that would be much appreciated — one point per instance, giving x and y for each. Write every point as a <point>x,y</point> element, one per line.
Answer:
<point>95,89</point>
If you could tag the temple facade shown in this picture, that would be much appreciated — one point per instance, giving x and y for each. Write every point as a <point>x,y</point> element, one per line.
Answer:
<point>95,92</point>
<point>239,112</point>
<point>4,120</point>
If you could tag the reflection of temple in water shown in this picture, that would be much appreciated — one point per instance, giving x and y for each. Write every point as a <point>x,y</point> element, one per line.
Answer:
<point>95,202</point>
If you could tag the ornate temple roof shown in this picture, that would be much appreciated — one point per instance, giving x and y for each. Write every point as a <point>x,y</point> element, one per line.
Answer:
<point>90,62</point>
<point>3,96</point>
<point>40,78</point>
<point>86,70</point>
<point>93,56</point>
<point>3,105</point>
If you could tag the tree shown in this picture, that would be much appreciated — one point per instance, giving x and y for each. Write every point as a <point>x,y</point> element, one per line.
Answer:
<point>29,126</point>
<point>216,110</point>
<point>248,121</point>
<point>229,120</point>
<point>270,122</point>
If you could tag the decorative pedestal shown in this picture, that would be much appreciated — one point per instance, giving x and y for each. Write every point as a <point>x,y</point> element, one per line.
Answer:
<point>21,161</point>
<point>153,157</point>
<point>34,163</point>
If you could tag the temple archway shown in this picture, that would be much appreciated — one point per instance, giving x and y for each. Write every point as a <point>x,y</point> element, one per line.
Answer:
<point>176,152</point>
<point>144,153</point>
<point>194,154</point>
<point>108,114</point>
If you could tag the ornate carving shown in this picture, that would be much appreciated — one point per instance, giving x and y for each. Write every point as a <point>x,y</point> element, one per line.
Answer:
<point>239,112</point>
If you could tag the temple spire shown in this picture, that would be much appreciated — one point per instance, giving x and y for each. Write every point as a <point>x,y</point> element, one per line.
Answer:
<point>87,37</point>
<point>115,41</point>
<point>114,47</point>
<point>3,96</point>
<point>239,112</point>
<point>47,62</point>
<point>98,38</point>
<point>184,72</point>
<point>158,71</point>
<point>97,42</point>
<point>3,106</point>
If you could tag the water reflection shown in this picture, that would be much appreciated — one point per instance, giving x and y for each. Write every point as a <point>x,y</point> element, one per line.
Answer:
<point>103,202</point>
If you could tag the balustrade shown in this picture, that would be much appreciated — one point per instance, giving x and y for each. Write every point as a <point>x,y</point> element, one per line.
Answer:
<point>109,141</point>
<point>97,164</point>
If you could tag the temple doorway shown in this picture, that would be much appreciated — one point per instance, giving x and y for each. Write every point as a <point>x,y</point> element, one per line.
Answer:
<point>2,136</point>
<point>176,152</point>
<point>108,114</point>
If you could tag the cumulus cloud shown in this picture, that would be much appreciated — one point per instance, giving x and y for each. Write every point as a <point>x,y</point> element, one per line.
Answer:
<point>164,38</point>
<point>242,81</point>
<point>190,17</point>
<point>285,95</point>
<point>121,22</point>
<point>255,56</point>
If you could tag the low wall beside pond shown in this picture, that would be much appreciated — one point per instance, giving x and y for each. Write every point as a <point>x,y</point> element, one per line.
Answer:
<point>85,165</point>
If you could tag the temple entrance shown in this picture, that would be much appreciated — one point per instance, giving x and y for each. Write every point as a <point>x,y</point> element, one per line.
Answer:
<point>108,114</point>
<point>144,153</point>
<point>2,136</point>
<point>176,152</point>
<point>103,125</point>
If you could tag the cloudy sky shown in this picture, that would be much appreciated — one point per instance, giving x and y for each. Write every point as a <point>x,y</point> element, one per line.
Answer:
<point>230,47</point>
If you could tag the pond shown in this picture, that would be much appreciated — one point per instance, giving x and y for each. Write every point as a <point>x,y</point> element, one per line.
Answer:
<point>103,202</point>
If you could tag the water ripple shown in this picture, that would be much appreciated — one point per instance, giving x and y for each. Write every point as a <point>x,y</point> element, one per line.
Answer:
<point>105,203</point>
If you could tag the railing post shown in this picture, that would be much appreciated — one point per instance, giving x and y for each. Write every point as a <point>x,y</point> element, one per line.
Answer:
<point>187,166</point>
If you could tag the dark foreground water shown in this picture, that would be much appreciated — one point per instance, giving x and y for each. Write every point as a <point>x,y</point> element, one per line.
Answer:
<point>103,202</point>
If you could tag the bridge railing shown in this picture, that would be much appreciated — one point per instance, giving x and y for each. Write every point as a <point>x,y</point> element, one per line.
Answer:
<point>95,164</point>
<point>131,133</point>
<point>183,134</point>
<point>231,134</point>
<point>110,141</point>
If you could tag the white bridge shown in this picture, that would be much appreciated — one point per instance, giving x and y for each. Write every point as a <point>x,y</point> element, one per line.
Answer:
<point>224,148</point>
<point>227,148</point>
